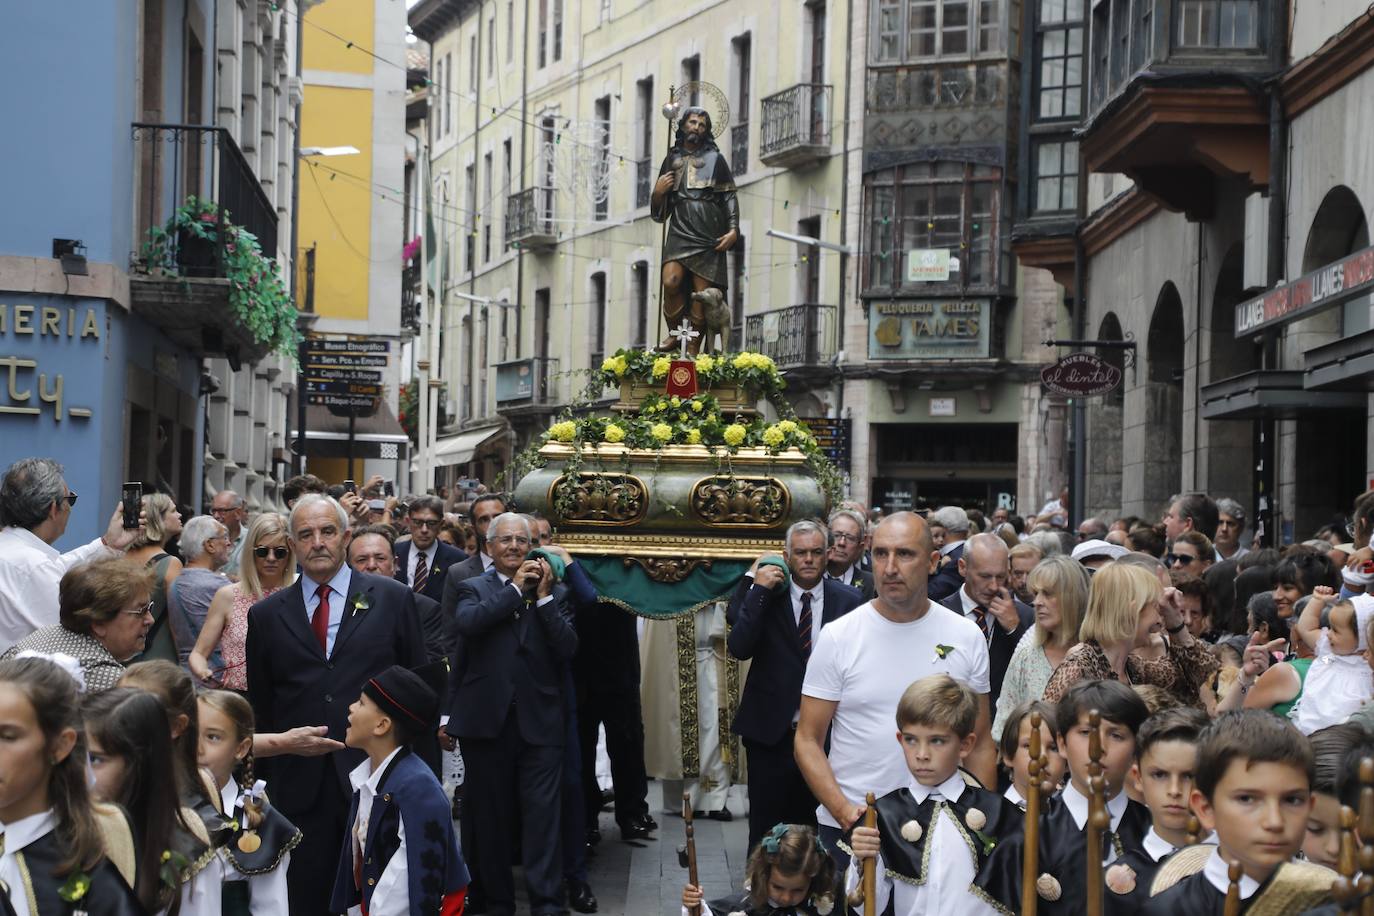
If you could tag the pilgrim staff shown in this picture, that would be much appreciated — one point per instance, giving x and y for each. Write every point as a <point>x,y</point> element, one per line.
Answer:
<point>1346,889</point>
<point>1030,863</point>
<point>1365,884</point>
<point>866,894</point>
<point>1099,821</point>
<point>1232,905</point>
<point>689,852</point>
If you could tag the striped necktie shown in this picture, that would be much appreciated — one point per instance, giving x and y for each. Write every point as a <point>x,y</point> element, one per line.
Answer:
<point>421,573</point>
<point>804,625</point>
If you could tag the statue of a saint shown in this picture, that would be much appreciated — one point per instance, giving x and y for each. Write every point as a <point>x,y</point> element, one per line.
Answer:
<point>695,194</point>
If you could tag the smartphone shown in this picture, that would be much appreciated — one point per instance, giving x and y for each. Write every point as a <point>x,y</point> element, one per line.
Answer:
<point>133,503</point>
<point>350,486</point>
<point>388,489</point>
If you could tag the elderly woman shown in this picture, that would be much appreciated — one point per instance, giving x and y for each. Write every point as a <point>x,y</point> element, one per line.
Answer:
<point>1126,606</point>
<point>1059,586</point>
<point>162,522</point>
<point>266,564</point>
<point>104,613</point>
<point>206,548</point>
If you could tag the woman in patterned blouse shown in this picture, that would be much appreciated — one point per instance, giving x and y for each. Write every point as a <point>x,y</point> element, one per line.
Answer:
<point>104,612</point>
<point>1127,607</point>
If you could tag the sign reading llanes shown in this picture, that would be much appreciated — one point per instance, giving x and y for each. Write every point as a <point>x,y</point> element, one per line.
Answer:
<point>1323,288</point>
<point>1081,375</point>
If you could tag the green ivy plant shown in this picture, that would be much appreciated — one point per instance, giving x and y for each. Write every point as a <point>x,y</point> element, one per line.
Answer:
<point>256,292</point>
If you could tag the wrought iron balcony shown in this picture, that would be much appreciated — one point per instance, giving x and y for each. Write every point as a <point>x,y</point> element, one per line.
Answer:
<point>795,337</point>
<point>530,382</point>
<point>644,181</point>
<point>739,149</point>
<point>529,219</point>
<point>796,126</point>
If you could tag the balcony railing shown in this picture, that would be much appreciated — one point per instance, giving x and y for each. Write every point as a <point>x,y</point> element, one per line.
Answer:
<point>739,149</point>
<point>177,161</point>
<point>795,336</point>
<point>410,298</point>
<point>527,382</point>
<point>796,126</point>
<point>644,181</point>
<point>529,218</point>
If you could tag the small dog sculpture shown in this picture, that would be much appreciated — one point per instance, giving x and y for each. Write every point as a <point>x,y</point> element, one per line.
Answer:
<point>716,314</point>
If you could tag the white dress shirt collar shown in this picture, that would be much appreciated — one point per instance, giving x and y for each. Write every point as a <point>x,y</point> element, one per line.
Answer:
<point>487,561</point>
<point>1077,803</point>
<point>338,585</point>
<point>814,591</point>
<point>229,796</point>
<point>950,790</point>
<point>1157,847</point>
<point>1216,871</point>
<point>27,829</point>
<point>30,540</point>
<point>949,548</point>
<point>1014,796</point>
<point>846,577</point>
<point>363,775</point>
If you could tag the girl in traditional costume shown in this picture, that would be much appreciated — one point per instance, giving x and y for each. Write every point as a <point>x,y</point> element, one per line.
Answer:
<point>790,874</point>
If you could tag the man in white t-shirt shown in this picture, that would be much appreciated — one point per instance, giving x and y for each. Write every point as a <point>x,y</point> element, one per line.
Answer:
<point>861,665</point>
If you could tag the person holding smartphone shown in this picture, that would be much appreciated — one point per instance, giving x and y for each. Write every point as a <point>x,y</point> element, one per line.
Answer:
<point>37,504</point>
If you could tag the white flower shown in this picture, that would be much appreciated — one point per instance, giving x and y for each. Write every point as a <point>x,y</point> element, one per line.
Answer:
<point>975,819</point>
<point>823,904</point>
<point>1047,887</point>
<point>911,832</point>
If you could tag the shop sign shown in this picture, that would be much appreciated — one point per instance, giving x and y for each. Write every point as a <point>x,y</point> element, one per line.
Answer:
<point>832,435</point>
<point>29,383</point>
<point>929,329</point>
<point>1323,288</point>
<point>1081,375</point>
<point>929,265</point>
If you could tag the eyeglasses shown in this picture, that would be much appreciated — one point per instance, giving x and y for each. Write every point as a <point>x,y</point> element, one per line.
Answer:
<point>425,522</point>
<point>71,500</point>
<point>225,510</point>
<point>141,611</point>
<point>840,537</point>
<point>516,539</point>
<point>1179,559</point>
<point>277,552</point>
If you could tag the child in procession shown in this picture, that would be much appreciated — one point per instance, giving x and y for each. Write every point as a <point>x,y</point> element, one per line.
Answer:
<point>789,874</point>
<point>1015,750</point>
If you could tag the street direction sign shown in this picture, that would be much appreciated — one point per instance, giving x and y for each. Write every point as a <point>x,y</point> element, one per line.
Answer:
<point>359,403</point>
<point>323,374</point>
<point>329,345</point>
<point>343,360</point>
<point>343,388</point>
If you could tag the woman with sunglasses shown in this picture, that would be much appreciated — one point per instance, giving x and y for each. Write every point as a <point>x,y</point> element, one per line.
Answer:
<point>104,613</point>
<point>266,565</point>
<point>1190,555</point>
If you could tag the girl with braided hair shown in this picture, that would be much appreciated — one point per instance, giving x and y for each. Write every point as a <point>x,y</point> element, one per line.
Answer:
<point>789,874</point>
<point>256,861</point>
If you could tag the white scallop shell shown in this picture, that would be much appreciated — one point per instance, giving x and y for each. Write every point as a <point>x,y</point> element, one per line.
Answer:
<point>911,832</point>
<point>1048,887</point>
<point>975,819</point>
<point>823,904</point>
<point>1121,878</point>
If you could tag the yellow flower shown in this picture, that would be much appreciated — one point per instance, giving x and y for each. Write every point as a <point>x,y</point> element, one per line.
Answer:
<point>682,416</point>
<point>608,364</point>
<point>742,361</point>
<point>661,366</point>
<point>662,432</point>
<point>772,436</point>
<point>614,433</point>
<point>619,365</point>
<point>787,426</point>
<point>694,436</point>
<point>706,363</point>
<point>676,401</point>
<point>697,406</point>
<point>734,434</point>
<point>563,432</point>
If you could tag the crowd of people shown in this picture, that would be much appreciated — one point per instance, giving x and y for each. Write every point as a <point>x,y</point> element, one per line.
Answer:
<point>222,714</point>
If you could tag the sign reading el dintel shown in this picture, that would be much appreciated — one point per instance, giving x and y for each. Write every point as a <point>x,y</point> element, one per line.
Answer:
<point>1329,286</point>
<point>1080,375</point>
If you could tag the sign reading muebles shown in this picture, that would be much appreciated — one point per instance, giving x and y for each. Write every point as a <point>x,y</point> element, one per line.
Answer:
<point>929,329</point>
<point>1323,288</point>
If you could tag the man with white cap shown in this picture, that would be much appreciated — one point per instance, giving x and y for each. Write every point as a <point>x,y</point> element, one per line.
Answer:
<point>1095,553</point>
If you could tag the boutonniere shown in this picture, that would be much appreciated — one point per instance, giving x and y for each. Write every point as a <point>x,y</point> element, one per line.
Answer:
<point>360,603</point>
<point>75,887</point>
<point>942,651</point>
<point>174,865</point>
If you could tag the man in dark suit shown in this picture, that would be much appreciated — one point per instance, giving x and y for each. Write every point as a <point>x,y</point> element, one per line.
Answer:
<point>424,560</point>
<point>985,599</point>
<point>372,551</point>
<point>948,579</point>
<point>844,559</point>
<point>484,508</point>
<point>310,649</point>
<point>776,616</point>
<point>506,707</point>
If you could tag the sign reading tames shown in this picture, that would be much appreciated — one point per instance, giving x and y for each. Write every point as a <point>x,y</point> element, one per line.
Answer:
<point>929,329</point>
<point>1323,288</point>
<point>1080,375</point>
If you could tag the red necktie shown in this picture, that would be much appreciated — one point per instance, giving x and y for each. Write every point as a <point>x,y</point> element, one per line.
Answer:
<point>319,621</point>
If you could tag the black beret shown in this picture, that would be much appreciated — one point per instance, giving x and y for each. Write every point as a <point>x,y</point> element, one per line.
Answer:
<point>404,695</point>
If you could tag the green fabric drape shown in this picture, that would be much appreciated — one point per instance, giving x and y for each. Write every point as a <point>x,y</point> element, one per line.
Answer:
<point>631,588</point>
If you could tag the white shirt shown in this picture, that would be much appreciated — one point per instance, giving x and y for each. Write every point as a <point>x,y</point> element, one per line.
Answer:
<point>950,865</point>
<point>817,593</point>
<point>29,573</point>
<point>1216,872</point>
<point>846,577</point>
<point>949,548</point>
<point>1156,847</point>
<point>487,561</point>
<point>338,597</point>
<point>391,894</point>
<point>506,580</point>
<point>969,605</point>
<point>1077,803</point>
<point>414,558</point>
<point>18,835</point>
<point>1013,795</point>
<point>267,892</point>
<point>864,662</point>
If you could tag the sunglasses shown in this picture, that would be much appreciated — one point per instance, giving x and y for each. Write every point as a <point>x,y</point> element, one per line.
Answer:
<point>1180,559</point>
<point>145,609</point>
<point>279,553</point>
<point>71,500</point>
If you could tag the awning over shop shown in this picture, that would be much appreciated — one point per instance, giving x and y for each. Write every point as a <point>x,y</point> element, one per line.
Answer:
<point>459,449</point>
<point>1342,365</point>
<point>1271,394</point>
<point>377,436</point>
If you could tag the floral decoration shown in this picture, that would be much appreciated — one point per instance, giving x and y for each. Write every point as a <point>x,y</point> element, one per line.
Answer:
<point>75,887</point>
